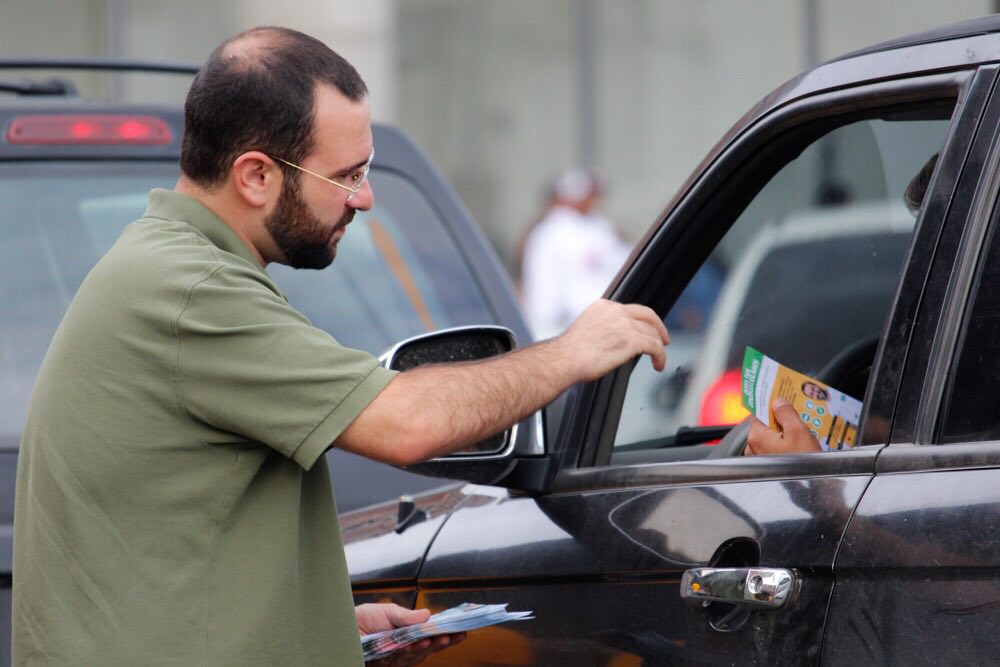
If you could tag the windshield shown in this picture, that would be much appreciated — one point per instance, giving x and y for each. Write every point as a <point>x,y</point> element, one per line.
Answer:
<point>398,272</point>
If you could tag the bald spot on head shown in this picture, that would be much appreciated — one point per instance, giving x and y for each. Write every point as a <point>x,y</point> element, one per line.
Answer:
<point>249,50</point>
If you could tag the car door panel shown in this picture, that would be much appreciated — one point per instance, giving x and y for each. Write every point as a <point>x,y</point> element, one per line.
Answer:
<point>918,576</point>
<point>601,570</point>
<point>385,545</point>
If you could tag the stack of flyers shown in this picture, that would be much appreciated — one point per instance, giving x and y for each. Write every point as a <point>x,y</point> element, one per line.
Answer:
<point>831,416</point>
<point>466,616</point>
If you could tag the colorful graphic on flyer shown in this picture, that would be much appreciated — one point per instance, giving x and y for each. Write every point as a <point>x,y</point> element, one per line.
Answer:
<point>832,416</point>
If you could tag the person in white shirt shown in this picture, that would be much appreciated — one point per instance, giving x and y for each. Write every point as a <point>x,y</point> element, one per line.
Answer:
<point>569,256</point>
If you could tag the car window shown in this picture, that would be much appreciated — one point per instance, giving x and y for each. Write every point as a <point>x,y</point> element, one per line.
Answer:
<point>806,271</point>
<point>969,405</point>
<point>55,222</point>
<point>398,272</point>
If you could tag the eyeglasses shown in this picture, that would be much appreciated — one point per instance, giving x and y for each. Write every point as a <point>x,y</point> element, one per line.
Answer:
<point>356,179</point>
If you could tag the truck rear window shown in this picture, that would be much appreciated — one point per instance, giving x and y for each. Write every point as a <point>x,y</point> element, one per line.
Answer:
<point>398,272</point>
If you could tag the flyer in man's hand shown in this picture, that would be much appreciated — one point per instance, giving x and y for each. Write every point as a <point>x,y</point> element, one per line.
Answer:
<point>832,416</point>
<point>464,617</point>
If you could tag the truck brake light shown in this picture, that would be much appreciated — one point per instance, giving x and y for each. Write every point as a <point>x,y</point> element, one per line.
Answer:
<point>87,129</point>
<point>722,403</point>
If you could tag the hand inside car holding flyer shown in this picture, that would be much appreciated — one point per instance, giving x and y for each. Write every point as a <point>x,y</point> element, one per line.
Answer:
<point>830,415</point>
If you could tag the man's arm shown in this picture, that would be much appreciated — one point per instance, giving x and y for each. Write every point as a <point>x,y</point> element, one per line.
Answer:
<point>433,410</point>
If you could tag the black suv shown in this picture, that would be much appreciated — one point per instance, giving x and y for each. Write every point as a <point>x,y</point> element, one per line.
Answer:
<point>74,171</point>
<point>846,226</point>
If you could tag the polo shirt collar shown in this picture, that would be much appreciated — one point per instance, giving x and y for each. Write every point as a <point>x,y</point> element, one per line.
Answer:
<point>172,205</point>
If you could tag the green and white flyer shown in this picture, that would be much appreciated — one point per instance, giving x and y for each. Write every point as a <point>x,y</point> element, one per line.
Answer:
<point>832,416</point>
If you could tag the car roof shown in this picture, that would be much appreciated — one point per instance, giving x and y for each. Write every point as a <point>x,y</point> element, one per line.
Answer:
<point>983,25</point>
<point>946,49</point>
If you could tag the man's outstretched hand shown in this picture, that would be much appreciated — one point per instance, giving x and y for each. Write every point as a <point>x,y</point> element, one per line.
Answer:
<point>608,334</point>
<point>379,617</point>
<point>792,435</point>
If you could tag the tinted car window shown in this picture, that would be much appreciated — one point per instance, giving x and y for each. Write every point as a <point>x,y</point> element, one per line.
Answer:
<point>398,273</point>
<point>806,271</point>
<point>56,221</point>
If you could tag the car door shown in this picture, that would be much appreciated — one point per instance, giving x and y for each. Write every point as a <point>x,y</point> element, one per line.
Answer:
<point>918,575</point>
<point>639,498</point>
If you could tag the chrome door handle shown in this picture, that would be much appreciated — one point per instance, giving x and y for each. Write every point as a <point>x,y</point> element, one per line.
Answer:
<point>758,587</point>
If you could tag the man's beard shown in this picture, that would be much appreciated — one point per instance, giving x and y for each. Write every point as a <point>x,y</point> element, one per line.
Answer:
<point>299,234</point>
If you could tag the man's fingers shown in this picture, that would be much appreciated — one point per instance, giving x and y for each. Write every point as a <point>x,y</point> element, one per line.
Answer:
<point>648,316</point>
<point>759,438</point>
<point>651,342</point>
<point>612,333</point>
<point>786,416</point>
<point>796,436</point>
<point>401,616</point>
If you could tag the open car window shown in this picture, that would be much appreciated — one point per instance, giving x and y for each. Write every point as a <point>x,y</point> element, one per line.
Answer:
<point>806,271</point>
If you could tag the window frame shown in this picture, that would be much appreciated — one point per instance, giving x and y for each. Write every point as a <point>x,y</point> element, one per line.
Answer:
<point>981,245</point>
<point>664,265</point>
<point>944,318</point>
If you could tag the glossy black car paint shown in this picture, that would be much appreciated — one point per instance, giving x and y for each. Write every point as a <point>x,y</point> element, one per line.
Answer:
<point>919,569</point>
<point>895,542</point>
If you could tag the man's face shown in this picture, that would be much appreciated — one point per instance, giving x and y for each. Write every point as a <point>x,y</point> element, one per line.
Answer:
<point>311,215</point>
<point>303,238</point>
<point>814,391</point>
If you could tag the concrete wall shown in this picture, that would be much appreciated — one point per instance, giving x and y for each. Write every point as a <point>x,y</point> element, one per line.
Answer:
<point>495,91</point>
<point>503,95</point>
<point>188,30</point>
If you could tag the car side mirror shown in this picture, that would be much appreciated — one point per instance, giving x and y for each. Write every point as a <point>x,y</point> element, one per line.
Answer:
<point>451,345</point>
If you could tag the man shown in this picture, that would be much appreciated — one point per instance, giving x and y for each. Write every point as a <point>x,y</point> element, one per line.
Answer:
<point>570,256</point>
<point>173,501</point>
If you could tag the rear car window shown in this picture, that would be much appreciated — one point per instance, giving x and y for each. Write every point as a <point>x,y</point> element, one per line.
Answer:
<point>398,272</point>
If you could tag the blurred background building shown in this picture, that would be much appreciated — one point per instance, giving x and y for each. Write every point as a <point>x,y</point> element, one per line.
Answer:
<point>503,96</point>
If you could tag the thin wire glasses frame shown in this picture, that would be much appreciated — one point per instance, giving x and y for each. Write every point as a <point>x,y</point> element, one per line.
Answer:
<point>359,176</point>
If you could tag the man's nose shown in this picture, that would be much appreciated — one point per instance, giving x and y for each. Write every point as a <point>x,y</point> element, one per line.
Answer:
<point>363,199</point>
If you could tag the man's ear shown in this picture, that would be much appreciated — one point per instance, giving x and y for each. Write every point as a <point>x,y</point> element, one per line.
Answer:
<point>256,178</point>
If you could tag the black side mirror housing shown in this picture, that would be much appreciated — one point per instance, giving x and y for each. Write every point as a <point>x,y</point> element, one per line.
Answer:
<point>514,458</point>
<point>452,345</point>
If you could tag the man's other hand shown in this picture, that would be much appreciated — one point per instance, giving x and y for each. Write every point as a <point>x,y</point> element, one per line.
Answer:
<point>792,435</point>
<point>387,616</point>
<point>608,334</point>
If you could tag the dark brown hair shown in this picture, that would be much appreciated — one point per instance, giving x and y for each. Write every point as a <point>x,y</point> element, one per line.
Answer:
<point>256,92</point>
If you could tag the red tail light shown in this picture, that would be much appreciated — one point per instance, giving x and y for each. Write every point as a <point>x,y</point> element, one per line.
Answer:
<point>723,401</point>
<point>86,129</point>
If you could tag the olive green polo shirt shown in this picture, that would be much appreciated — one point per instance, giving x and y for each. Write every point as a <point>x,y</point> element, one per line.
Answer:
<point>173,504</point>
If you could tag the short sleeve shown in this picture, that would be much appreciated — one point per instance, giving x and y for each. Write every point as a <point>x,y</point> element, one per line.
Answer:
<point>250,364</point>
